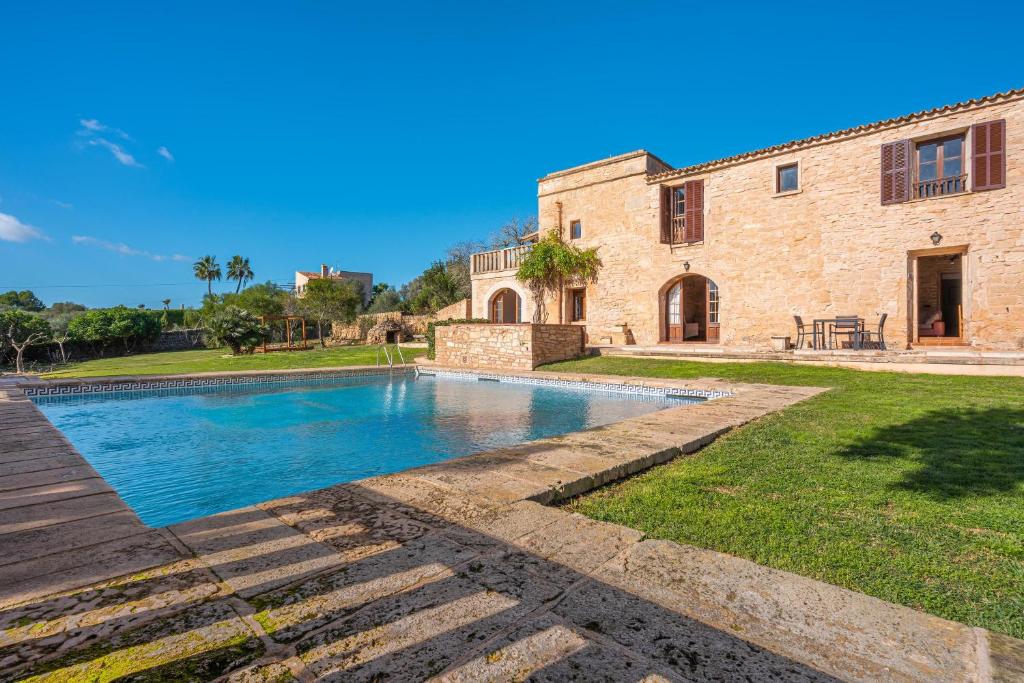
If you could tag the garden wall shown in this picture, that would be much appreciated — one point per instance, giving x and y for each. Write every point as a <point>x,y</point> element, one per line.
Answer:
<point>521,346</point>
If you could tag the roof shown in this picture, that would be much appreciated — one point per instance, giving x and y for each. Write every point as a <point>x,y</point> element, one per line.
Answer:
<point>603,162</point>
<point>840,134</point>
<point>335,274</point>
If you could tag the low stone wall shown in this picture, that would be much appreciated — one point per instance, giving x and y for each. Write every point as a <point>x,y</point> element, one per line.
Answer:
<point>356,332</point>
<point>179,340</point>
<point>506,347</point>
<point>460,310</point>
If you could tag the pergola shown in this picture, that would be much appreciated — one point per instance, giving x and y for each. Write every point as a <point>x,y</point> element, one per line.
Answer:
<point>288,342</point>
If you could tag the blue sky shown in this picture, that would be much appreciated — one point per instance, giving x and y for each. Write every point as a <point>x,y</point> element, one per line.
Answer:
<point>370,136</point>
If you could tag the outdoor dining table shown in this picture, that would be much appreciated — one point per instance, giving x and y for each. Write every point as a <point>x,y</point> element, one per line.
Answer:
<point>819,339</point>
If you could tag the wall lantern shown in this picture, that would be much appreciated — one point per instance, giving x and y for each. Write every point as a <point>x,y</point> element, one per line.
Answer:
<point>686,266</point>
<point>936,238</point>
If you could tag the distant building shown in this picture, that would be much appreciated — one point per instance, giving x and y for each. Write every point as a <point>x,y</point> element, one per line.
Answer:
<point>303,277</point>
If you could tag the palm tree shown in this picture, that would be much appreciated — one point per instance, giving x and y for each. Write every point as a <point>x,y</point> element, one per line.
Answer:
<point>166,303</point>
<point>239,269</point>
<point>207,269</point>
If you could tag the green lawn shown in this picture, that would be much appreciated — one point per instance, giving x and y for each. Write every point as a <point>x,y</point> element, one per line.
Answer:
<point>906,487</point>
<point>216,360</point>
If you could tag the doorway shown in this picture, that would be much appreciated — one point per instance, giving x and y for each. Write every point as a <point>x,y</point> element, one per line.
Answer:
<point>506,307</point>
<point>939,298</point>
<point>690,307</point>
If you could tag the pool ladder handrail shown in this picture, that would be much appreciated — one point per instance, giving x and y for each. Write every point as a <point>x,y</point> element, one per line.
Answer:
<point>388,356</point>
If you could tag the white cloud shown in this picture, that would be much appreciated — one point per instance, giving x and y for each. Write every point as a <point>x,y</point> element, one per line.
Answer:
<point>63,205</point>
<point>123,157</point>
<point>92,126</point>
<point>124,249</point>
<point>165,153</point>
<point>13,230</point>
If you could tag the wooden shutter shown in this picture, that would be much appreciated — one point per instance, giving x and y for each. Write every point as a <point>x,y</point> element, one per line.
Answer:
<point>694,210</point>
<point>666,215</point>
<point>988,155</point>
<point>897,158</point>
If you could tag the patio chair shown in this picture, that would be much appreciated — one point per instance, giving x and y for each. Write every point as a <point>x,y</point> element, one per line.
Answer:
<point>876,338</point>
<point>801,333</point>
<point>847,326</point>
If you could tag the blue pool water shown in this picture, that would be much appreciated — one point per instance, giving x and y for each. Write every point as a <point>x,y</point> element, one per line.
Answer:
<point>178,454</point>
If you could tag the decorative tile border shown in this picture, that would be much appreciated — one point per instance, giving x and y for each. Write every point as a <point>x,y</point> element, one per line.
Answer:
<point>619,388</point>
<point>168,385</point>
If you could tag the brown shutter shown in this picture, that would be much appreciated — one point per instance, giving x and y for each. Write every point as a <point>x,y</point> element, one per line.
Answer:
<point>694,210</point>
<point>988,155</point>
<point>666,215</point>
<point>896,162</point>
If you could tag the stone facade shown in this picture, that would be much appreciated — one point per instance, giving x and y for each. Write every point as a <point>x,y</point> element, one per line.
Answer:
<point>830,248</point>
<point>506,347</point>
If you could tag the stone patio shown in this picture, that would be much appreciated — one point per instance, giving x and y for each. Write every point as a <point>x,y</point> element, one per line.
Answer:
<point>455,571</point>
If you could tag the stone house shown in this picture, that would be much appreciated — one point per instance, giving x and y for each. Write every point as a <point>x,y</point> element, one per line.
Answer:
<point>919,217</point>
<point>302,278</point>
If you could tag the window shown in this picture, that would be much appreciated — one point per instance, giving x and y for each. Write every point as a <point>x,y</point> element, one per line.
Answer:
<point>682,213</point>
<point>787,178</point>
<point>578,305</point>
<point>575,230</point>
<point>939,167</point>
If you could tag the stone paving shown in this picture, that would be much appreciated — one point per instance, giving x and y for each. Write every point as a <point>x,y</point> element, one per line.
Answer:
<point>454,572</point>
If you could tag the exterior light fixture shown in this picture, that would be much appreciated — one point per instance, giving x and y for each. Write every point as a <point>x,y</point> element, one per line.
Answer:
<point>686,266</point>
<point>936,238</point>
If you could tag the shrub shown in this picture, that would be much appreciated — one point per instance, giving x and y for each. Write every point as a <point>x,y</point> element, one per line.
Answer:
<point>235,328</point>
<point>445,323</point>
<point>106,326</point>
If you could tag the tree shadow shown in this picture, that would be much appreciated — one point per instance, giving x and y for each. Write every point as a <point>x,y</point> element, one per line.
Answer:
<point>962,453</point>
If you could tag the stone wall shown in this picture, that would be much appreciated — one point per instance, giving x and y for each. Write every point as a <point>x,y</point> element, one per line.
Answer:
<point>179,340</point>
<point>356,332</point>
<point>506,347</point>
<point>460,310</point>
<point>830,248</point>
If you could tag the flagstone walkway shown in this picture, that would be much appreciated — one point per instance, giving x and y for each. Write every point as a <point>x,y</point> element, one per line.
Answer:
<point>455,571</point>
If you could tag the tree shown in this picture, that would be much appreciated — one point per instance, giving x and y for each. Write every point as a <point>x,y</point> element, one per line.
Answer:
<point>238,329</point>
<point>60,326</point>
<point>62,307</point>
<point>552,262</point>
<point>327,300</point>
<point>240,270</point>
<point>513,232</point>
<point>207,269</point>
<point>262,299</point>
<point>24,300</point>
<point>21,329</point>
<point>166,303</point>
<point>385,301</point>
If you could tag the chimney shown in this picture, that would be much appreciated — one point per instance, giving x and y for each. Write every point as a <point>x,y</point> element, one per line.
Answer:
<point>323,270</point>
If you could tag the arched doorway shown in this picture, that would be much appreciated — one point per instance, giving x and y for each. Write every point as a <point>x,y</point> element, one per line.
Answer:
<point>690,307</point>
<point>505,307</point>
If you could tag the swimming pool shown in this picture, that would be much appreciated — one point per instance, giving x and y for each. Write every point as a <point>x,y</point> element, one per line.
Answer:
<point>179,453</point>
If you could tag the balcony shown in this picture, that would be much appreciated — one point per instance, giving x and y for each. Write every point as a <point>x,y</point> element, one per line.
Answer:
<point>939,187</point>
<point>499,259</point>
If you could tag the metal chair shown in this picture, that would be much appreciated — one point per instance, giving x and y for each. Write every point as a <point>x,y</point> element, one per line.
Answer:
<point>801,333</point>
<point>878,336</point>
<point>848,326</point>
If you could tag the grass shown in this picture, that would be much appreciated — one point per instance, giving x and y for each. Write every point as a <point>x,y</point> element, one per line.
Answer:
<point>219,360</point>
<point>906,487</point>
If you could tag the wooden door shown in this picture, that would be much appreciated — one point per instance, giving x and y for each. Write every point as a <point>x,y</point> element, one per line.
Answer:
<point>674,313</point>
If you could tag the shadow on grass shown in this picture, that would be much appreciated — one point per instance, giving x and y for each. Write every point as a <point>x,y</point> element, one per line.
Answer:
<point>961,453</point>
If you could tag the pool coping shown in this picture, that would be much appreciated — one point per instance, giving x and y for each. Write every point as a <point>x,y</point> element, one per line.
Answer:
<point>487,493</point>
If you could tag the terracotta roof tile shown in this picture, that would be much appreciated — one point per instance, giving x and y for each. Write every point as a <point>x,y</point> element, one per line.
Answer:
<point>846,132</point>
